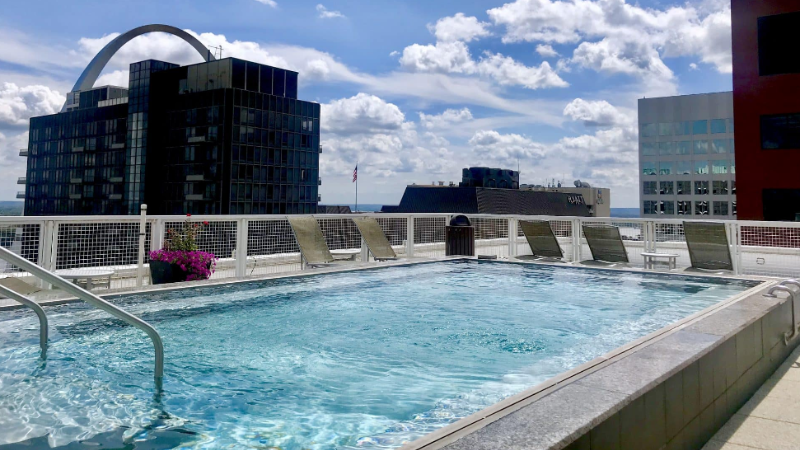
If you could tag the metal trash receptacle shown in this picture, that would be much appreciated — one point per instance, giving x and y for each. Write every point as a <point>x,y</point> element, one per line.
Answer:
<point>459,237</point>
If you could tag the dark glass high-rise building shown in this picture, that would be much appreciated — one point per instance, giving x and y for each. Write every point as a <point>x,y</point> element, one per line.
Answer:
<point>221,137</point>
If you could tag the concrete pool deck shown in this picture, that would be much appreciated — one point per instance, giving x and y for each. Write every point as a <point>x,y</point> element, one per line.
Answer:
<point>770,420</point>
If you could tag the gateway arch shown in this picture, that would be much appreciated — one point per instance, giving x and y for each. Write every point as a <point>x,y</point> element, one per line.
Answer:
<point>92,72</point>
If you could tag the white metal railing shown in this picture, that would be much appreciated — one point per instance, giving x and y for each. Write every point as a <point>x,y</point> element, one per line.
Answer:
<point>263,244</point>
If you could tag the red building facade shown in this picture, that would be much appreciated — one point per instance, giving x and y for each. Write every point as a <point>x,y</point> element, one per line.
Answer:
<point>766,102</point>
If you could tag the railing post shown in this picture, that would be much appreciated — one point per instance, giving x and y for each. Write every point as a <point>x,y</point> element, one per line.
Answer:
<point>241,247</point>
<point>410,236</point>
<point>576,239</point>
<point>734,237</point>
<point>364,251</point>
<point>512,237</point>
<point>140,256</point>
<point>157,234</point>
<point>53,263</point>
<point>45,247</point>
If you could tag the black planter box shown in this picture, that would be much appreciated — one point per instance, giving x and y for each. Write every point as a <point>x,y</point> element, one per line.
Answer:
<point>163,272</point>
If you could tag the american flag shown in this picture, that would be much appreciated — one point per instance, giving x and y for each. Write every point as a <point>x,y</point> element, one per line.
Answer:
<point>355,174</point>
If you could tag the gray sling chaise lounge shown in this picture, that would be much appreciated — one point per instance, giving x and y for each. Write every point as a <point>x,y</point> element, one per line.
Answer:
<point>376,241</point>
<point>313,248</point>
<point>19,286</point>
<point>541,239</point>
<point>605,243</point>
<point>708,245</point>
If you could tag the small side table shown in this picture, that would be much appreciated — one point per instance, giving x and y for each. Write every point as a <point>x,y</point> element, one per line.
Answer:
<point>87,276</point>
<point>345,254</point>
<point>651,258</point>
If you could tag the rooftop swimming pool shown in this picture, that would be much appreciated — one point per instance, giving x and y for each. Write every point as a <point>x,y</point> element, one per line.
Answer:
<point>366,359</point>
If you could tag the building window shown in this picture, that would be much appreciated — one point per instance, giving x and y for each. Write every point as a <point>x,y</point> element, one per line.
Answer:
<point>648,130</point>
<point>720,208</point>
<point>683,168</point>
<point>665,168</point>
<point>733,208</point>
<point>780,131</point>
<point>700,147</point>
<point>684,208</point>
<point>666,188</point>
<point>649,148</point>
<point>683,128</point>
<point>683,147</point>
<point>650,207</point>
<point>718,126</point>
<point>720,146</point>
<point>665,129</point>
<point>701,167</point>
<point>719,166</point>
<point>665,148</point>
<point>684,187</point>
<point>668,208</point>
<point>649,168</point>
<point>733,165</point>
<point>733,187</point>
<point>775,34</point>
<point>720,187</point>
<point>700,208</point>
<point>729,124</point>
<point>701,188</point>
<point>649,188</point>
<point>700,127</point>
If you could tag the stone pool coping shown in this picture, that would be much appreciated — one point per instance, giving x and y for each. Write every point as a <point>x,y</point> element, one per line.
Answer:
<point>603,403</point>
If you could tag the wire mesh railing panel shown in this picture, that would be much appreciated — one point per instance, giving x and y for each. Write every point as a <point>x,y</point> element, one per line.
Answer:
<point>271,237</point>
<point>670,238</point>
<point>770,250</point>
<point>104,244</point>
<point>22,239</point>
<point>217,237</point>
<point>491,236</point>
<point>429,234</point>
<point>396,231</point>
<point>340,234</point>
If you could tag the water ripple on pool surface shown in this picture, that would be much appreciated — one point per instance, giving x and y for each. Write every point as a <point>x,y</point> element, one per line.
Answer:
<point>367,359</point>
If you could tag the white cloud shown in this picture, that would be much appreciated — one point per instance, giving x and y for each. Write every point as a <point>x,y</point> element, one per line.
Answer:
<point>361,113</point>
<point>445,119</point>
<point>508,72</point>
<point>459,28</point>
<point>18,104</point>
<point>454,58</point>
<point>692,66</point>
<point>595,113</point>
<point>615,36</point>
<point>505,148</point>
<point>443,57</point>
<point>325,13</point>
<point>271,3</point>
<point>546,50</point>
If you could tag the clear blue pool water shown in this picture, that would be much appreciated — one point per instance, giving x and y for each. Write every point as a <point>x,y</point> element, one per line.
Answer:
<point>366,360</point>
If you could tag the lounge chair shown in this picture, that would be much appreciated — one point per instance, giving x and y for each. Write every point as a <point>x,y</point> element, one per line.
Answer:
<point>708,245</point>
<point>541,239</point>
<point>313,248</point>
<point>605,244</point>
<point>376,241</point>
<point>19,286</point>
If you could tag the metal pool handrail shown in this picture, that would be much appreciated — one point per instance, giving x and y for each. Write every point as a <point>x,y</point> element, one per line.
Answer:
<point>788,336</point>
<point>36,308</point>
<point>95,301</point>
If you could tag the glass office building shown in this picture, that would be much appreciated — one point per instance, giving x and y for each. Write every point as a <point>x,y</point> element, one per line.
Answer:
<point>220,137</point>
<point>687,165</point>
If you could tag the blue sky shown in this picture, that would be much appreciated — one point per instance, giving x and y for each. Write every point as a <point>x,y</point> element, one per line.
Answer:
<point>413,90</point>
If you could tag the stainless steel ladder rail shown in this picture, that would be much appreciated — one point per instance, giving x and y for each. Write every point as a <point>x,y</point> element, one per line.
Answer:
<point>43,331</point>
<point>95,301</point>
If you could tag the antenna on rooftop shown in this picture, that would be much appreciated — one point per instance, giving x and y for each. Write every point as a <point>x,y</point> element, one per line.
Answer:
<point>218,47</point>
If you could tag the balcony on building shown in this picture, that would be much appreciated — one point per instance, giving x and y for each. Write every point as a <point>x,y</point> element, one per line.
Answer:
<point>23,152</point>
<point>21,180</point>
<point>20,194</point>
